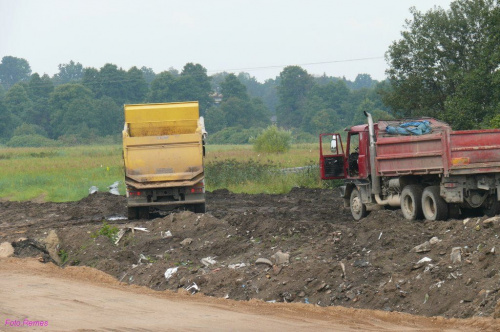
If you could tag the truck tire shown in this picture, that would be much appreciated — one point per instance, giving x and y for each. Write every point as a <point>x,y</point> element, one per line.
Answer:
<point>411,201</point>
<point>144,213</point>
<point>433,205</point>
<point>454,211</point>
<point>199,208</point>
<point>358,209</point>
<point>491,207</point>
<point>133,213</point>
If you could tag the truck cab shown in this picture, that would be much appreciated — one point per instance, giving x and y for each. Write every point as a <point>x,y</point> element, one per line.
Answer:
<point>355,161</point>
<point>355,167</point>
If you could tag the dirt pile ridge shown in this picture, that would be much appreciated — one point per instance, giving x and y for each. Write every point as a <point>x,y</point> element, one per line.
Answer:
<point>309,249</point>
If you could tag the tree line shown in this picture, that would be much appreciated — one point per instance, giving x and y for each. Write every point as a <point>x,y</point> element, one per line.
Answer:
<point>445,65</point>
<point>81,105</point>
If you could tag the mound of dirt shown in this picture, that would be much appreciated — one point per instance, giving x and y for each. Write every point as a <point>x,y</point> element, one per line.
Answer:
<point>299,247</point>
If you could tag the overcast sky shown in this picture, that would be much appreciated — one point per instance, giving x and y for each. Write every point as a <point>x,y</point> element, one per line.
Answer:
<point>256,36</point>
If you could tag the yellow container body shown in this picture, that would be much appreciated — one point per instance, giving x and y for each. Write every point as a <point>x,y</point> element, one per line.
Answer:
<point>163,144</point>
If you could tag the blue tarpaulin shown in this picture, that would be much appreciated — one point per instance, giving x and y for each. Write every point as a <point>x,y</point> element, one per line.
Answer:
<point>410,128</point>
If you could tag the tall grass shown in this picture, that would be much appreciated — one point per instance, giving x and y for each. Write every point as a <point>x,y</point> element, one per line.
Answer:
<point>66,173</point>
<point>58,174</point>
<point>299,154</point>
<point>254,177</point>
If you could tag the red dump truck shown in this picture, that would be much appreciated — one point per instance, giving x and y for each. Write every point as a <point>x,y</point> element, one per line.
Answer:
<point>432,175</point>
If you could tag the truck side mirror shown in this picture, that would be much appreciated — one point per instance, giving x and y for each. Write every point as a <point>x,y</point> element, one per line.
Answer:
<point>333,144</point>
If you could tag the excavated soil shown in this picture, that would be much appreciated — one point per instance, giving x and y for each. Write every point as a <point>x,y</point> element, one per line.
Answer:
<point>299,247</point>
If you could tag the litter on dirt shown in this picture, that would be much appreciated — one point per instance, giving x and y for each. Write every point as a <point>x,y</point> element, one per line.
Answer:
<point>113,189</point>
<point>333,260</point>
<point>170,272</point>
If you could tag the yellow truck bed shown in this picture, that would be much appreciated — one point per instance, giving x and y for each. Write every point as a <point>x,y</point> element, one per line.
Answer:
<point>163,145</point>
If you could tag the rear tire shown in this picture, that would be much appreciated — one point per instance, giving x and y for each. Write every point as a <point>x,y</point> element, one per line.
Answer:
<point>433,205</point>
<point>454,211</point>
<point>133,213</point>
<point>411,201</point>
<point>199,208</point>
<point>144,213</point>
<point>358,209</point>
<point>492,207</point>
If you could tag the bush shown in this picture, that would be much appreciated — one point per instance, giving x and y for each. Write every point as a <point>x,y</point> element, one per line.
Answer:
<point>29,129</point>
<point>31,141</point>
<point>273,140</point>
<point>111,232</point>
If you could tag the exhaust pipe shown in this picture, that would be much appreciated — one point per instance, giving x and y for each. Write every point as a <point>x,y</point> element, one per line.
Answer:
<point>373,154</point>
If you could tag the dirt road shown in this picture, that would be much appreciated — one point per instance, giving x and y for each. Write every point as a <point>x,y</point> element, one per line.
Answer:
<point>80,298</point>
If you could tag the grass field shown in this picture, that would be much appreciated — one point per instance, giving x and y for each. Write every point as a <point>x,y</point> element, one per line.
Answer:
<point>299,155</point>
<point>66,174</point>
<point>58,174</point>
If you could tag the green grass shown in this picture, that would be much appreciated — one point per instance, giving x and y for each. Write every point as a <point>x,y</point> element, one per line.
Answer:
<point>242,170</point>
<point>299,154</point>
<point>250,176</point>
<point>66,173</point>
<point>58,174</point>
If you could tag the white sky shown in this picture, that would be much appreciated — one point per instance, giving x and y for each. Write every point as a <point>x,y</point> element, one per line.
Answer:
<point>218,34</point>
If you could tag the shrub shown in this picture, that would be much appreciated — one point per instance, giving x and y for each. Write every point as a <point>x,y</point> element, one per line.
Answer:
<point>273,140</point>
<point>29,129</point>
<point>31,141</point>
<point>111,232</point>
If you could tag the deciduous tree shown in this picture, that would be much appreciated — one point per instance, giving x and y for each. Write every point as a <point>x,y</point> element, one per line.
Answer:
<point>149,74</point>
<point>444,63</point>
<point>293,87</point>
<point>13,70</point>
<point>232,87</point>
<point>73,111</point>
<point>69,72</point>
<point>20,105</point>
<point>137,87</point>
<point>199,85</point>
<point>5,121</point>
<point>162,89</point>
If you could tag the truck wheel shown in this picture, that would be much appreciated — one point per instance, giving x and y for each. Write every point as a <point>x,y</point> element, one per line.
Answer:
<point>143,213</point>
<point>199,208</point>
<point>411,201</point>
<point>433,205</point>
<point>454,211</point>
<point>491,207</point>
<point>133,213</point>
<point>358,209</point>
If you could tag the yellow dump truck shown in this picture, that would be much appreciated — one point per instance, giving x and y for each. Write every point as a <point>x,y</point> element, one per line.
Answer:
<point>163,151</point>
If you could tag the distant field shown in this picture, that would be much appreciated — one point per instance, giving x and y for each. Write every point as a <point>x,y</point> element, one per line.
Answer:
<point>299,155</point>
<point>58,174</point>
<point>66,174</point>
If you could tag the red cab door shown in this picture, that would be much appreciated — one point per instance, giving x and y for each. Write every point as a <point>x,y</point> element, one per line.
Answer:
<point>331,157</point>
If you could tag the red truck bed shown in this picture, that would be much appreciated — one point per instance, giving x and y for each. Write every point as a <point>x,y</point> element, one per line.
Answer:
<point>475,151</point>
<point>441,151</point>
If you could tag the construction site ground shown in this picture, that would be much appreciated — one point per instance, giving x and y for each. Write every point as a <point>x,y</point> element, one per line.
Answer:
<point>293,261</point>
